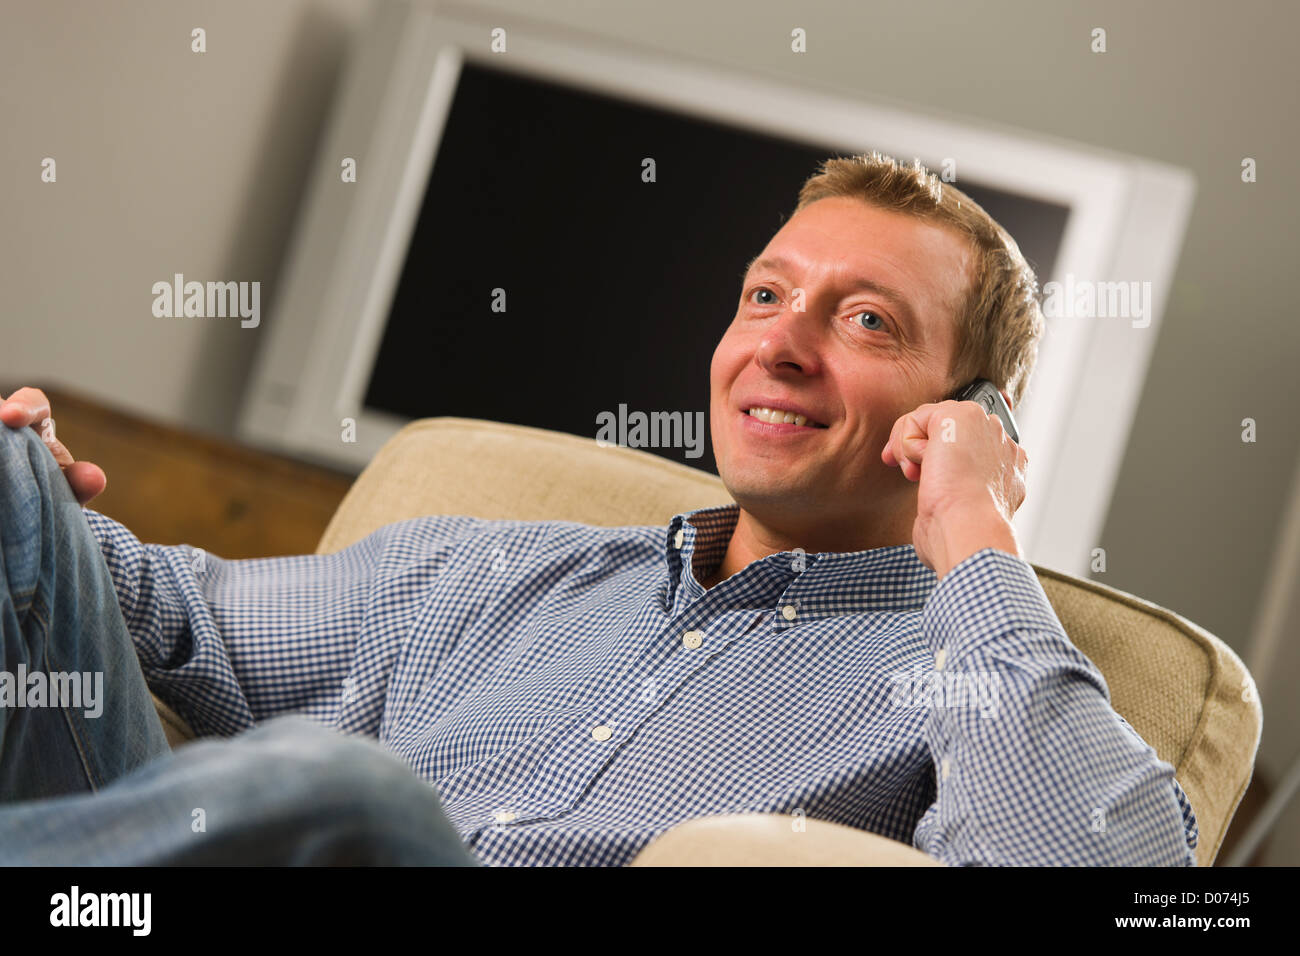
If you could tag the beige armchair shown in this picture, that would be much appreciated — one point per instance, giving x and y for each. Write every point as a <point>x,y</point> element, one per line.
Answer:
<point>1181,688</point>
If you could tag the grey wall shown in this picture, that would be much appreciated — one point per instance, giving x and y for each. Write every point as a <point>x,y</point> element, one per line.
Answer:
<point>172,162</point>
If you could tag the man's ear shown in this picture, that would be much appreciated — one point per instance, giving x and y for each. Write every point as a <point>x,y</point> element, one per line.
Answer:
<point>1006,398</point>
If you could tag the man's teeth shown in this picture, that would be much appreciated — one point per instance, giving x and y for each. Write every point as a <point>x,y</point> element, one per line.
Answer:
<point>776,416</point>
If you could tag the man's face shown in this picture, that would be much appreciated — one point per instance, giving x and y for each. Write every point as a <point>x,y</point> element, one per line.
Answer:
<point>854,360</point>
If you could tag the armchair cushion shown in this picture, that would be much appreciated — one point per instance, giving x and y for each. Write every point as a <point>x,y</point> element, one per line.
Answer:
<point>774,839</point>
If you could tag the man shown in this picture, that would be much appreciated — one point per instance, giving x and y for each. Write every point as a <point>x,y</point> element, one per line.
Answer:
<point>857,639</point>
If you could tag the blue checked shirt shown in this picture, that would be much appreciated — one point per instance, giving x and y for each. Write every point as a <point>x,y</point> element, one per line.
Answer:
<point>572,691</point>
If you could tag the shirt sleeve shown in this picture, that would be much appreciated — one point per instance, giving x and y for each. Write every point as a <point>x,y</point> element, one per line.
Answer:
<point>1032,764</point>
<point>228,643</point>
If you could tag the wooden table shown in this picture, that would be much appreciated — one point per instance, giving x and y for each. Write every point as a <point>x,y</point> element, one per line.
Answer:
<point>172,486</point>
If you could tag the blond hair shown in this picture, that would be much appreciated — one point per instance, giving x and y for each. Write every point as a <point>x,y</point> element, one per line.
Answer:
<point>1000,323</point>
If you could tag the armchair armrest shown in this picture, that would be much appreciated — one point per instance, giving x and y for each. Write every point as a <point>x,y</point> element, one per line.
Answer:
<point>773,839</point>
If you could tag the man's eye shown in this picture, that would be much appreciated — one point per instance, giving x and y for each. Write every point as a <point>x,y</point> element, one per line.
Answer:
<point>879,325</point>
<point>769,292</point>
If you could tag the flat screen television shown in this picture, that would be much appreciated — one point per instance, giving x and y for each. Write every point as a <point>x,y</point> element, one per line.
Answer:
<point>481,239</point>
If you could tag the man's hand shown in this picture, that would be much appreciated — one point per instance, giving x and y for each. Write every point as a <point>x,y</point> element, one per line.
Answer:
<point>29,407</point>
<point>972,482</point>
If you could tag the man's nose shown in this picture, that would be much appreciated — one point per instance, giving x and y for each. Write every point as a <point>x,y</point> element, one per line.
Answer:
<point>792,339</point>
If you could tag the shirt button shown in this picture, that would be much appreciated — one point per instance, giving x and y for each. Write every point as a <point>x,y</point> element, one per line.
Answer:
<point>681,536</point>
<point>601,733</point>
<point>693,639</point>
<point>788,612</point>
<point>944,767</point>
<point>503,816</point>
<point>940,656</point>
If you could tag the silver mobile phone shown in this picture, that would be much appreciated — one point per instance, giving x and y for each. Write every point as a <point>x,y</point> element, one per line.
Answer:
<point>985,394</point>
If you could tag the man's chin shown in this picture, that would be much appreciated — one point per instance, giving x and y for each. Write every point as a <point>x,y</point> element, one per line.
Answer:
<point>778,494</point>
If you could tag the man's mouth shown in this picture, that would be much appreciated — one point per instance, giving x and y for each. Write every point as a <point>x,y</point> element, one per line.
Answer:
<point>777,416</point>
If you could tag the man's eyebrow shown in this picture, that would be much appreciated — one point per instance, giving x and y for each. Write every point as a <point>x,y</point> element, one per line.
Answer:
<point>895,297</point>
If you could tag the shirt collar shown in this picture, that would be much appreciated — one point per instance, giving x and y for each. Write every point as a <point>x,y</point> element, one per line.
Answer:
<point>817,585</point>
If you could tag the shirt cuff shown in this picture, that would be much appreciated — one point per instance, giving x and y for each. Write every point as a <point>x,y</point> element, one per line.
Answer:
<point>122,553</point>
<point>986,596</point>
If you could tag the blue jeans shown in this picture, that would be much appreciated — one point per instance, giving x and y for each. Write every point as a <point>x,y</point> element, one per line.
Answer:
<point>92,781</point>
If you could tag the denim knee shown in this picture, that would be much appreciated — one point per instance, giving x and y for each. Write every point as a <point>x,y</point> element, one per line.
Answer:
<point>26,470</point>
<point>23,456</point>
<point>339,769</point>
<point>368,806</point>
